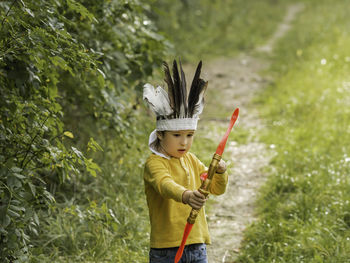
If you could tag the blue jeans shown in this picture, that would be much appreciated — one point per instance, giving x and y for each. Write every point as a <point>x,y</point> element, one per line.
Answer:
<point>195,253</point>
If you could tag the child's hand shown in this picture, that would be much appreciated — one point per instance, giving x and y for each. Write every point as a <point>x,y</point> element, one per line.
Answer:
<point>194,199</point>
<point>221,167</point>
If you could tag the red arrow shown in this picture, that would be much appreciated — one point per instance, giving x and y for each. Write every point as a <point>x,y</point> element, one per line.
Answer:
<point>221,147</point>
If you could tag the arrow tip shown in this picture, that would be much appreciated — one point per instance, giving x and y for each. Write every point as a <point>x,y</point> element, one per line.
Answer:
<point>184,238</point>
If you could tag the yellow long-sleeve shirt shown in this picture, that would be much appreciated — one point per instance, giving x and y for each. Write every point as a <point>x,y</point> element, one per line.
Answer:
<point>165,181</point>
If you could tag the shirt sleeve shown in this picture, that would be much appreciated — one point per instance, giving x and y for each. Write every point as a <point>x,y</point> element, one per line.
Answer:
<point>218,184</point>
<point>158,176</point>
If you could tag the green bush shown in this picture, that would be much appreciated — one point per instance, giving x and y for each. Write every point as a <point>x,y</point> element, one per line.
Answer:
<point>69,70</point>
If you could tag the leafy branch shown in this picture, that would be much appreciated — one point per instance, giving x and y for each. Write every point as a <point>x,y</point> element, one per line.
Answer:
<point>7,13</point>
<point>31,143</point>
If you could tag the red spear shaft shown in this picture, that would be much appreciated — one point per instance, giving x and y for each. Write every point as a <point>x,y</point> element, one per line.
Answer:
<point>205,184</point>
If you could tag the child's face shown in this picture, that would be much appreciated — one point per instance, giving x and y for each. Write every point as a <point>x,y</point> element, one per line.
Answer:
<point>176,143</point>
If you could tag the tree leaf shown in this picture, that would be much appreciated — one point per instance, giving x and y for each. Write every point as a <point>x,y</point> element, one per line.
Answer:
<point>32,188</point>
<point>93,145</point>
<point>13,213</point>
<point>36,219</point>
<point>79,8</point>
<point>77,152</point>
<point>19,176</point>
<point>29,12</point>
<point>6,221</point>
<point>16,169</point>
<point>16,208</point>
<point>68,134</point>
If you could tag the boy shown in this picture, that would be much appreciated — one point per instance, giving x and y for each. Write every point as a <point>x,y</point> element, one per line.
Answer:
<point>172,173</point>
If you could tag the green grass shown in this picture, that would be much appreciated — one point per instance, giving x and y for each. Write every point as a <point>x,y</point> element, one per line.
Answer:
<point>304,209</point>
<point>204,29</point>
<point>106,220</point>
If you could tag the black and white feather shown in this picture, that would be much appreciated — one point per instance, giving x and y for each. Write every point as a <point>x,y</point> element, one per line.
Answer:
<point>157,99</point>
<point>176,103</point>
<point>196,95</point>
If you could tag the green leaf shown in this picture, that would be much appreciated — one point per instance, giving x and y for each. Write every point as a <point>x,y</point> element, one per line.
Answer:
<point>16,208</point>
<point>16,169</point>
<point>13,213</point>
<point>49,196</point>
<point>6,221</point>
<point>29,12</point>
<point>19,176</point>
<point>91,167</point>
<point>23,4</point>
<point>101,79</point>
<point>60,62</point>
<point>13,182</point>
<point>77,152</point>
<point>36,219</point>
<point>93,145</point>
<point>68,134</point>
<point>77,7</point>
<point>32,188</point>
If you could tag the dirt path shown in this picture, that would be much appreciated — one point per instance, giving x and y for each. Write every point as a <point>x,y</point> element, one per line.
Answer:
<point>234,210</point>
<point>238,81</point>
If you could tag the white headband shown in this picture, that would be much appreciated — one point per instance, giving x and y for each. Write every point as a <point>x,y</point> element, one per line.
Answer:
<point>177,124</point>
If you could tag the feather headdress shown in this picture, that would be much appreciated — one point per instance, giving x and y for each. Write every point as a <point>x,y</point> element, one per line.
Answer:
<point>177,110</point>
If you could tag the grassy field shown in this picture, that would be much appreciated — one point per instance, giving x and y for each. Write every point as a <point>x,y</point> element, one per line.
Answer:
<point>304,208</point>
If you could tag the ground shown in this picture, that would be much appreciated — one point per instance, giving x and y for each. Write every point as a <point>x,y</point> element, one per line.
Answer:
<point>234,210</point>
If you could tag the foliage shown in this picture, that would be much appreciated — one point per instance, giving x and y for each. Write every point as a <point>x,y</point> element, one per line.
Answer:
<point>304,207</point>
<point>62,62</point>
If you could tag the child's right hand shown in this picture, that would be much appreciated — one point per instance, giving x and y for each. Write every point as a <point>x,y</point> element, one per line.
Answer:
<point>194,199</point>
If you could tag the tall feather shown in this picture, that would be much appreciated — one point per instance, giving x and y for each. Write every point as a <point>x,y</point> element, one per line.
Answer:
<point>198,107</point>
<point>183,91</point>
<point>177,89</point>
<point>196,95</point>
<point>169,82</point>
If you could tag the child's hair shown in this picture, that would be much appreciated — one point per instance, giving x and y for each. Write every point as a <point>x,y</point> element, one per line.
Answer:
<point>156,143</point>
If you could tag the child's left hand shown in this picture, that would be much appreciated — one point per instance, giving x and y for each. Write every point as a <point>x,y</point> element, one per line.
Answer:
<point>221,167</point>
